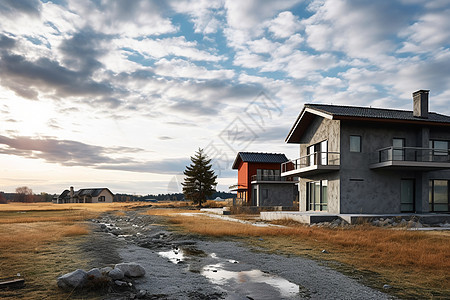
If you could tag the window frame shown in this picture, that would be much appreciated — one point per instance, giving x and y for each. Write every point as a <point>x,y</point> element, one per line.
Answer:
<point>359,144</point>
<point>431,197</point>
<point>311,197</point>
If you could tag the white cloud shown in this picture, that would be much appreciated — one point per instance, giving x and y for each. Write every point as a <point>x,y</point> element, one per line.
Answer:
<point>430,32</point>
<point>203,13</point>
<point>125,18</point>
<point>284,25</point>
<point>159,48</point>
<point>186,69</point>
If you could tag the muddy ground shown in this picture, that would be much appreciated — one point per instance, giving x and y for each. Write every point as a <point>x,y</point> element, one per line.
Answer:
<point>184,266</point>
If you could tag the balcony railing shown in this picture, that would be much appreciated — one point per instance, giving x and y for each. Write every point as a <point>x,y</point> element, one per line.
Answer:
<point>411,157</point>
<point>268,178</point>
<point>236,187</point>
<point>317,162</point>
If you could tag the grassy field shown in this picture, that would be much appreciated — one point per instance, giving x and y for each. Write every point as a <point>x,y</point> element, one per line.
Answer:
<point>415,264</point>
<point>40,241</point>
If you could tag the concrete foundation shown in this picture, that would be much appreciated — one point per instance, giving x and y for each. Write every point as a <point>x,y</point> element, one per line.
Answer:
<point>317,217</point>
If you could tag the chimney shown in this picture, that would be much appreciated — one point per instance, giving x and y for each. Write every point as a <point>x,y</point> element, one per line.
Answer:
<point>420,104</point>
<point>71,194</point>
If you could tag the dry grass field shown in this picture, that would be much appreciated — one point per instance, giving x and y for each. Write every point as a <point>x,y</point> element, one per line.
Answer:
<point>415,264</point>
<point>39,241</point>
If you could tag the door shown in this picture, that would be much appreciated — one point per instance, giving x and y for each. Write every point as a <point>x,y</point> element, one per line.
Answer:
<point>407,195</point>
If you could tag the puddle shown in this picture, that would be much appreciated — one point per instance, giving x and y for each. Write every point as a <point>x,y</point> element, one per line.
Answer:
<point>238,283</point>
<point>174,256</point>
<point>254,283</point>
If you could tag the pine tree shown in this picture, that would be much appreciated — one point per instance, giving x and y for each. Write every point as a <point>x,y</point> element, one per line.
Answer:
<point>200,180</point>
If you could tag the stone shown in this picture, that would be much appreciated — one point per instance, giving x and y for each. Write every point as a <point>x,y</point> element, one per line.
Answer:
<point>324,251</point>
<point>131,269</point>
<point>141,294</point>
<point>72,280</point>
<point>94,273</point>
<point>105,270</point>
<point>116,273</point>
<point>121,283</point>
<point>387,286</point>
<point>103,226</point>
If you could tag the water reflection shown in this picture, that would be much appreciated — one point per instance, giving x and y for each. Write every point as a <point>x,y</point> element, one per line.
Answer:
<point>174,255</point>
<point>253,283</point>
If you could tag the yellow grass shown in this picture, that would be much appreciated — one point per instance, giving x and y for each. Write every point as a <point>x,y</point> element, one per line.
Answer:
<point>417,261</point>
<point>39,240</point>
<point>96,207</point>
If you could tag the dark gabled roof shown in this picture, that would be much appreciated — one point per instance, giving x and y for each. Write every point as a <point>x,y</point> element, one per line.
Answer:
<point>339,112</point>
<point>379,113</point>
<point>64,194</point>
<point>258,157</point>
<point>90,192</point>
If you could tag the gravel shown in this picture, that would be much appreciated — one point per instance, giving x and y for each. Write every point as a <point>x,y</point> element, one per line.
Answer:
<point>206,269</point>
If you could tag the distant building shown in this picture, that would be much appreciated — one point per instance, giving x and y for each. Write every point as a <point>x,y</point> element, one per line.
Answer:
<point>92,195</point>
<point>259,180</point>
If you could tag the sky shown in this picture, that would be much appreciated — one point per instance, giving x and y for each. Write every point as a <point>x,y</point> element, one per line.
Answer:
<point>120,94</point>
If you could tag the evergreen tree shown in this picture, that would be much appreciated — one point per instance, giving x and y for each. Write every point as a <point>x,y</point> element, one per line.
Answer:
<point>200,180</point>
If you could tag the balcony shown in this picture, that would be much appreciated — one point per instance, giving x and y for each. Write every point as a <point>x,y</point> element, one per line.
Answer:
<point>312,164</point>
<point>237,187</point>
<point>269,179</point>
<point>411,158</point>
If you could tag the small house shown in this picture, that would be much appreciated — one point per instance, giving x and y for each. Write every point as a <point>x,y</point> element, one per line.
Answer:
<point>260,182</point>
<point>91,195</point>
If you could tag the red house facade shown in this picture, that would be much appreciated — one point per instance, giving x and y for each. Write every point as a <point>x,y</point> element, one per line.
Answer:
<point>259,180</point>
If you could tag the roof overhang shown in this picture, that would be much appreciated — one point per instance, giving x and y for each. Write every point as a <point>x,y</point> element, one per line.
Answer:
<point>236,162</point>
<point>308,114</point>
<point>305,118</point>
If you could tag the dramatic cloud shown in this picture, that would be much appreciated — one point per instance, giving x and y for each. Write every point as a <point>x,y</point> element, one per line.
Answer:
<point>163,78</point>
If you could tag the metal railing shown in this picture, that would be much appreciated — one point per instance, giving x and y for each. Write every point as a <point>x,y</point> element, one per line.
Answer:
<point>236,186</point>
<point>416,154</point>
<point>267,178</point>
<point>313,159</point>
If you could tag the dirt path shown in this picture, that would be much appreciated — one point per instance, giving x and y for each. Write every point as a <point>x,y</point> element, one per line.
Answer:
<point>190,267</point>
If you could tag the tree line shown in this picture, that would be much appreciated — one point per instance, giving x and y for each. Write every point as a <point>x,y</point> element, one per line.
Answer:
<point>26,195</point>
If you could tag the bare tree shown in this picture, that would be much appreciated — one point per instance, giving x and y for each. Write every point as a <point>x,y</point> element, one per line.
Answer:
<point>24,194</point>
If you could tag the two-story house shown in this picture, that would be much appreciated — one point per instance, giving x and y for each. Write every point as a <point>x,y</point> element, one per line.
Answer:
<point>361,160</point>
<point>260,182</point>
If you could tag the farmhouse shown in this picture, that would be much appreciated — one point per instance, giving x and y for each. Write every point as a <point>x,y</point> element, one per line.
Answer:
<point>360,160</point>
<point>91,195</point>
<point>259,180</point>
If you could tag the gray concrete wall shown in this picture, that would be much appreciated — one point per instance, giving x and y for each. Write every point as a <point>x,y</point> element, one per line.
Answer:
<point>378,191</point>
<point>278,194</point>
<point>321,129</point>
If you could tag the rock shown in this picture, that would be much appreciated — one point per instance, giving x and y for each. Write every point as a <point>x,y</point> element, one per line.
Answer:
<point>324,251</point>
<point>376,222</point>
<point>94,273</point>
<point>103,226</point>
<point>105,270</point>
<point>121,283</point>
<point>131,269</point>
<point>394,224</point>
<point>419,225</point>
<point>141,294</point>
<point>387,286</point>
<point>72,280</point>
<point>116,273</point>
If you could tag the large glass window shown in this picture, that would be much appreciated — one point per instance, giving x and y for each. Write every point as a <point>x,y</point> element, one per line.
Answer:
<point>440,150</point>
<point>439,195</point>
<point>355,143</point>
<point>317,195</point>
<point>407,195</point>
<point>317,154</point>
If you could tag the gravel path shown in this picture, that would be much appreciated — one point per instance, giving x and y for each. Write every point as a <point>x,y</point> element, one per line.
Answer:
<point>187,267</point>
